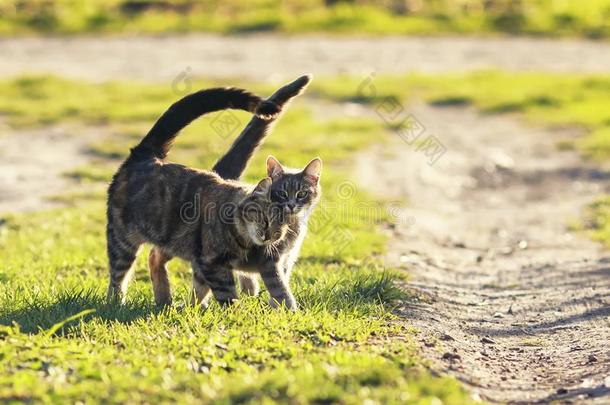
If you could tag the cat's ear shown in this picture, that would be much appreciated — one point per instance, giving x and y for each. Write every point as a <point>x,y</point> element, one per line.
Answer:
<point>313,170</point>
<point>263,186</point>
<point>274,168</point>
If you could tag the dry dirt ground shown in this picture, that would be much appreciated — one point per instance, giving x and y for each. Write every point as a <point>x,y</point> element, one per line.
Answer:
<point>512,302</point>
<point>32,164</point>
<point>262,57</point>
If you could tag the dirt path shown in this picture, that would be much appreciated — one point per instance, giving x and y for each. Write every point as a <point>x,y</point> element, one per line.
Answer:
<point>32,163</point>
<point>512,302</point>
<point>262,57</point>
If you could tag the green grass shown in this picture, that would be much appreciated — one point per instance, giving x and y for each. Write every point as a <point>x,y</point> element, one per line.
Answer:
<point>597,221</point>
<point>339,346</point>
<point>62,343</point>
<point>36,101</point>
<point>532,17</point>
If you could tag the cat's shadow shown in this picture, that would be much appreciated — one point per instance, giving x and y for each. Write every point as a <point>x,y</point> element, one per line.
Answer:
<point>37,317</point>
<point>63,313</point>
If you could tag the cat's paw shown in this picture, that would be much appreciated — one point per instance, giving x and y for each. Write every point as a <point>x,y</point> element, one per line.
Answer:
<point>249,286</point>
<point>286,302</point>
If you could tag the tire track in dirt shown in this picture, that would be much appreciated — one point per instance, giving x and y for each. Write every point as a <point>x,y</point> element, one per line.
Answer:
<point>512,302</point>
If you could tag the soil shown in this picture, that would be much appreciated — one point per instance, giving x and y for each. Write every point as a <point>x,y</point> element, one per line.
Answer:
<point>510,300</point>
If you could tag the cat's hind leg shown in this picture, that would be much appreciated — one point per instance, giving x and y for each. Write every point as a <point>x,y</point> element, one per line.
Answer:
<point>158,275</point>
<point>248,284</point>
<point>121,255</point>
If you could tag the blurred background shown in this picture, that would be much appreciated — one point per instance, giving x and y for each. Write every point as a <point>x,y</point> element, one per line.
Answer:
<point>534,17</point>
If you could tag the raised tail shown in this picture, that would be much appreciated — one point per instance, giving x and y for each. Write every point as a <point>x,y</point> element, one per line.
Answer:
<point>234,162</point>
<point>160,137</point>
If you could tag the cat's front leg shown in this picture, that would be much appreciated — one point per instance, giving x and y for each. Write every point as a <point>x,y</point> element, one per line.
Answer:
<point>276,282</point>
<point>218,277</point>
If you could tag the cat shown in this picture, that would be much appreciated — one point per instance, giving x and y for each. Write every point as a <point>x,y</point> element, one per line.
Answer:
<point>297,192</point>
<point>146,204</point>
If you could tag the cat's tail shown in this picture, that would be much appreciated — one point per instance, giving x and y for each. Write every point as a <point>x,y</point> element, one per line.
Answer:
<point>160,137</point>
<point>234,162</point>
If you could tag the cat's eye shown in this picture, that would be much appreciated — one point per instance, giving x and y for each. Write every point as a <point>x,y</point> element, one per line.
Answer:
<point>281,194</point>
<point>302,194</point>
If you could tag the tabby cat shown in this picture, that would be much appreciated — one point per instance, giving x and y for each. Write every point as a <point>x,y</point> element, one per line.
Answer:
<point>297,192</point>
<point>146,201</point>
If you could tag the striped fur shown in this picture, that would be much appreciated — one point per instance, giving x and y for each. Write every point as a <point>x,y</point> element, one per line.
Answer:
<point>297,193</point>
<point>192,214</point>
<point>234,163</point>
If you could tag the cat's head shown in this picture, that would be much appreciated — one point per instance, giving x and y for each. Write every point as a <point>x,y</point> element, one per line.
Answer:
<point>296,191</point>
<point>262,219</point>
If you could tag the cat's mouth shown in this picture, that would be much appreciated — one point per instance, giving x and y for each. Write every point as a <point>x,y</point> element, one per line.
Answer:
<point>261,242</point>
<point>256,238</point>
<point>268,242</point>
<point>291,210</point>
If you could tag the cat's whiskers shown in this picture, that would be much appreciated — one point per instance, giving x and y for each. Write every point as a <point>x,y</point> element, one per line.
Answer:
<point>292,232</point>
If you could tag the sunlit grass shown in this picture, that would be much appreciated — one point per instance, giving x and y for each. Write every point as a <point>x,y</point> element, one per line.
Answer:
<point>44,100</point>
<point>54,264</point>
